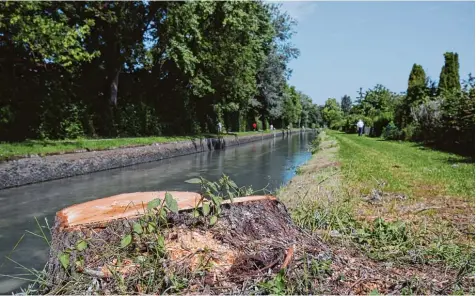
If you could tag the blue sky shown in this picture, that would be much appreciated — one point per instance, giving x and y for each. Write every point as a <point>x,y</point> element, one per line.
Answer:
<point>348,45</point>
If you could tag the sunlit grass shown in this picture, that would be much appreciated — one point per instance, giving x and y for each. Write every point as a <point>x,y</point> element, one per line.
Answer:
<point>405,167</point>
<point>45,147</point>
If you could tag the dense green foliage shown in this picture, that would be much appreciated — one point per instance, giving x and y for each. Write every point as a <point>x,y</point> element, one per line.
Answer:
<point>438,115</point>
<point>346,104</point>
<point>449,76</point>
<point>108,69</point>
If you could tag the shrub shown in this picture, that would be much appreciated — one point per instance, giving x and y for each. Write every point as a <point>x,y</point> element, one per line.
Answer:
<point>427,117</point>
<point>392,132</point>
<point>71,126</point>
<point>349,125</point>
<point>409,132</point>
<point>457,120</point>
<point>380,122</point>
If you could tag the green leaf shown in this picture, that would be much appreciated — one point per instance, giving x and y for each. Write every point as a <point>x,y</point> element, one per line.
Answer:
<point>374,292</point>
<point>216,200</point>
<point>151,228</point>
<point>81,245</point>
<point>171,203</point>
<point>195,214</point>
<point>154,203</point>
<point>64,259</point>
<point>213,186</point>
<point>194,181</point>
<point>137,228</point>
<point>232,184</point>
<point>213,220</point>
<point>161,242</point>
<point>205,209</point>
<point>163,213</point>
<point>126,240</point>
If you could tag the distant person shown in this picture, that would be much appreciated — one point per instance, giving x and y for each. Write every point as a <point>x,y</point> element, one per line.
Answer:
<point>360,127</point>
<point>219,127</point>
<point>254,126</point>
<point>271,127</point>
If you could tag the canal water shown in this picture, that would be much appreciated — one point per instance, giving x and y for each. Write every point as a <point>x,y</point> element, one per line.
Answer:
<point>267,163</point>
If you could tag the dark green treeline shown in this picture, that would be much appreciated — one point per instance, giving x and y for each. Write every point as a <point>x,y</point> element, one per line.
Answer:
<point>116,69</point>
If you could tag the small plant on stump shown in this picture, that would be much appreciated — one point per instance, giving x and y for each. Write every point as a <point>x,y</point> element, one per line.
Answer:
<point>214,193</point>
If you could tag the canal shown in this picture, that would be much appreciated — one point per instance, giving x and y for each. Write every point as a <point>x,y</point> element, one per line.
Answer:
<point>268,163</point>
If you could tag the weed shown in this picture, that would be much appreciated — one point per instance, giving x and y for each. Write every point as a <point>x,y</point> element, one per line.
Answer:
<point>274,286</point>
<point>214,193</point>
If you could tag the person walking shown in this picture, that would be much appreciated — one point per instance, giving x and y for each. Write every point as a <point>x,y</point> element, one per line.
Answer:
<point>360,127</point>
<point>254,126</point>
<point>219,127</point>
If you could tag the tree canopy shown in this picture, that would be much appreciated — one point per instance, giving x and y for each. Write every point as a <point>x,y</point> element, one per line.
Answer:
<point>138,68</point>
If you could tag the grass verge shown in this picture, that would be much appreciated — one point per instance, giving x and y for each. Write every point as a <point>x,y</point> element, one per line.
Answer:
<point>392,204</point>
<point>49,147</point>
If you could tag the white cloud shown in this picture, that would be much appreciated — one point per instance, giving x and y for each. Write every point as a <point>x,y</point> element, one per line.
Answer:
<point>299,10</point>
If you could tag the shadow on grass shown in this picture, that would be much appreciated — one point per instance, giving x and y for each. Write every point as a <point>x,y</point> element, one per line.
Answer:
<point>464,155</point>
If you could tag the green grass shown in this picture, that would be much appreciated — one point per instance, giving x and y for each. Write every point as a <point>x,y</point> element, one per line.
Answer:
<point>46,147</point>
<point>405,167</point>
<point>425,214</point>
<point>440,183</point>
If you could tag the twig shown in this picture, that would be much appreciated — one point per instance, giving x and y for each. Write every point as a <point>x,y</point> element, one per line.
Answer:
<point>459,277</point>
<point>289,256</point>
<point>425,209</point>
<point>95,273</point>
<point>355,284</point>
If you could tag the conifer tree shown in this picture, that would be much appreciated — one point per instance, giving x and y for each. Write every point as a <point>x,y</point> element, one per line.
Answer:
<point>449,76</point>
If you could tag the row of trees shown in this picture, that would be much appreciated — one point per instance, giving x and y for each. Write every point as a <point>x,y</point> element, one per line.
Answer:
<point>107,69</point>
<point>439,114</point>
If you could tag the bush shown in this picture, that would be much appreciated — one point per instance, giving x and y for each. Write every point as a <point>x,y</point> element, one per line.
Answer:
<point>457,120</point>
<point>427,117</point>
<point>350,122</point>
<point>380,122</point>
<point>71,126</point>
<point>409,132</point>
<point>392,132</point>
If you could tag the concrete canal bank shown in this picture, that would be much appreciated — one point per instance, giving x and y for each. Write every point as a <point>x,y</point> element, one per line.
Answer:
<point>39,169</point>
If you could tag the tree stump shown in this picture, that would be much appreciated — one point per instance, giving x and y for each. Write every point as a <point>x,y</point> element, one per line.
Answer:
<point>254,234</point>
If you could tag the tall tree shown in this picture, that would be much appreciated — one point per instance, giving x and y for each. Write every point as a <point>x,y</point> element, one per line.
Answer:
<point>332,113</point>
<point>292,106</point>
<point>346,104</point>
<point>449,76</point>
<point>272,75</point>
<point>417,92</point>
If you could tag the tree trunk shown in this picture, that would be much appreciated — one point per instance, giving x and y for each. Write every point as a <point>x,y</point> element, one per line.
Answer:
<point>114,87</point>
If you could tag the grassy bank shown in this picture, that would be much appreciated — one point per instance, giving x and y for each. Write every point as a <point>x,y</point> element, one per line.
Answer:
<point>48,147</point>
<point>384,204</point>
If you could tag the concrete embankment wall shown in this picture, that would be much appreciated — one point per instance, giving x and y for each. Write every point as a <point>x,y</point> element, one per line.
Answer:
<point>39,169</point>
